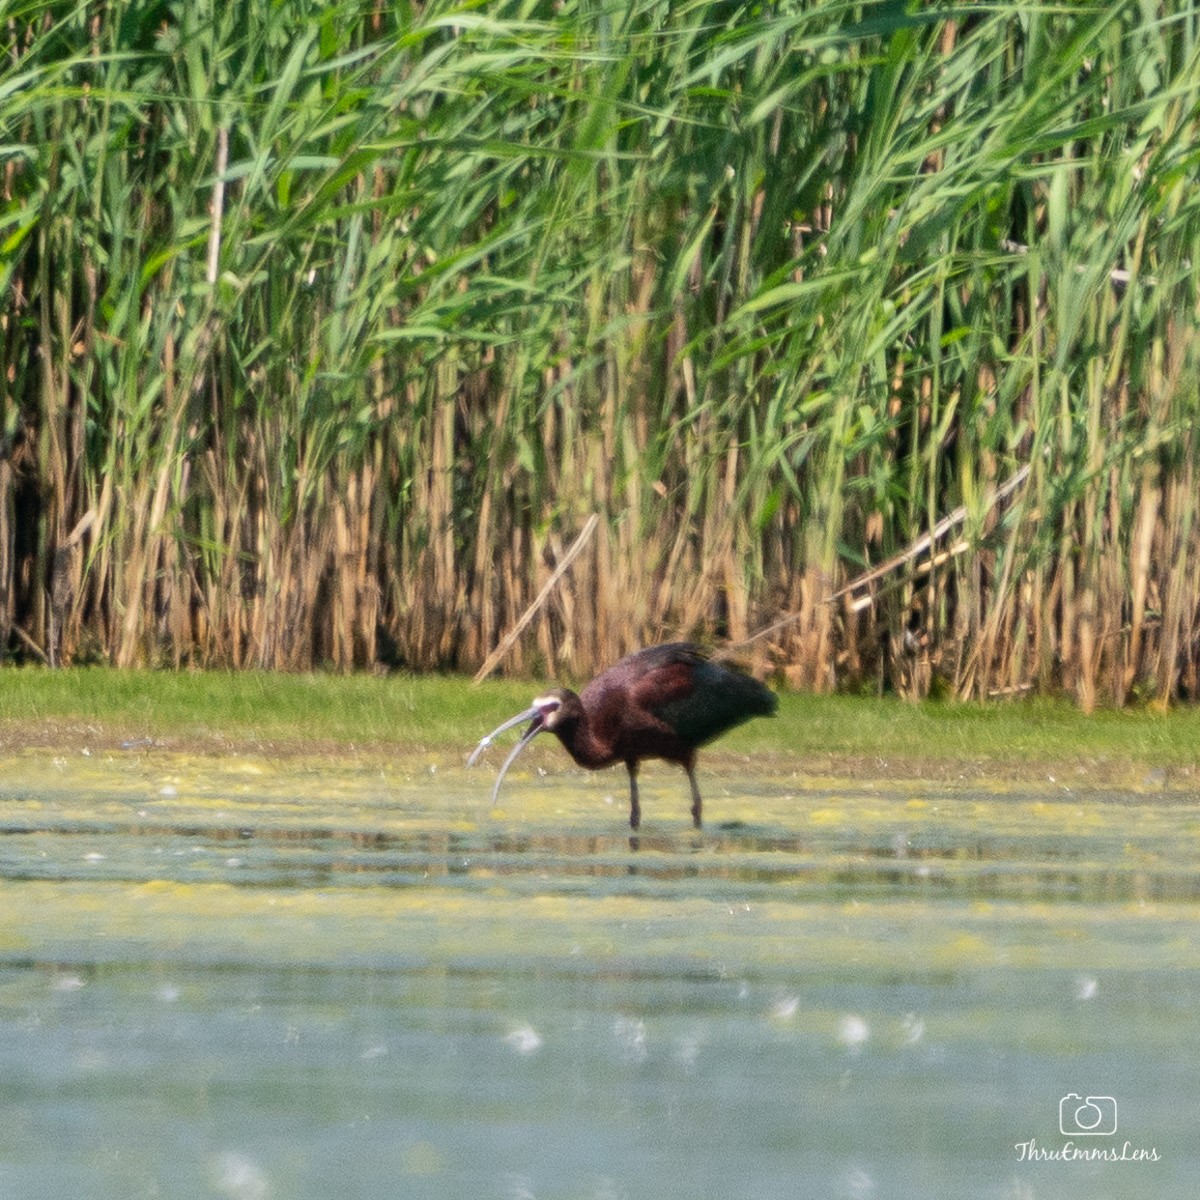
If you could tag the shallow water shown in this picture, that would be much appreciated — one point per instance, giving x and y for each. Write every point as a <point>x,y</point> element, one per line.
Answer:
<point>244,978</point>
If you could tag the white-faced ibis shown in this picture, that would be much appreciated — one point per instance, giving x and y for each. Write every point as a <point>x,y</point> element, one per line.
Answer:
<point>663,702</point>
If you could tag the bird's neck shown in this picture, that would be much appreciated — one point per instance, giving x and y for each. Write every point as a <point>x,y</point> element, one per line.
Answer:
<point>583,743</point>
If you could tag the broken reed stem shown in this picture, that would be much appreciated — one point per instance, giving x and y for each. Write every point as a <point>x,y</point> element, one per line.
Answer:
<point>915,548</point>
<point>489,664</point>
<point>920,570</point>
<point>921,544</point>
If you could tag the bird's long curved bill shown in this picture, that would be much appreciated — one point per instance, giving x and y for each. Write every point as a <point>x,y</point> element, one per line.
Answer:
<point>530,714</point>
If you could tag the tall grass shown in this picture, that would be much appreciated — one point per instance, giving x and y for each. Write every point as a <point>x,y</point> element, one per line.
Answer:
<point>328,325</point>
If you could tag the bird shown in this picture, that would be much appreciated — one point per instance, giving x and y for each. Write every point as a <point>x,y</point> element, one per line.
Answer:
<point>662,702</point>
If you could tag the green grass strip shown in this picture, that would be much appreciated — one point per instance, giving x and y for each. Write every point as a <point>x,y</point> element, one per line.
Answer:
<point>214,711</point>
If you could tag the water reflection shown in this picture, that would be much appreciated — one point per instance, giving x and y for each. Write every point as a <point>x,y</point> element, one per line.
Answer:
<point>1049,866</point>
<point>291,983</point>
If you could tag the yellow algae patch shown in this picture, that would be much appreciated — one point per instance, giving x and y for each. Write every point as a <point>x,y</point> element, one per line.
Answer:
<point>159,887</point>
<point>210,920</point>
<point>826,816</point>
<point>244,768</point>
<point>966,949</point>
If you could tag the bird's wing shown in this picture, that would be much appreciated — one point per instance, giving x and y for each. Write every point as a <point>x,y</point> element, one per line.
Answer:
<point>705,698</point>
<point>624,702</point>
<point>663,675</point>
<point>664,686</point>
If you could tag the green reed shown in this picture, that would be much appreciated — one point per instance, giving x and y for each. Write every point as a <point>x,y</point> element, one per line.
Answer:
<point>327,327</point>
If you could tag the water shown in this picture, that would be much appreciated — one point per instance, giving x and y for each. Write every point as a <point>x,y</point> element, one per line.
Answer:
<point>249,979</point>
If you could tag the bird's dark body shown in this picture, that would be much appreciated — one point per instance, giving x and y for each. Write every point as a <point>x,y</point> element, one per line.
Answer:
<point>663,702</point>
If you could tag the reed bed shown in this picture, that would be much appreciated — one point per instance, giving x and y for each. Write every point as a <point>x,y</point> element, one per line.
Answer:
<point>326,328</point>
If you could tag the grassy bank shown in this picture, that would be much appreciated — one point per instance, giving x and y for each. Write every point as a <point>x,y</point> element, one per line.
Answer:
<point>326,327</point>
<point>330,715</point>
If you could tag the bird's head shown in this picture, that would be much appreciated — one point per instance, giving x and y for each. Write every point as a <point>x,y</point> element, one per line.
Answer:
<point>548,711</point>
<point>554,708</point>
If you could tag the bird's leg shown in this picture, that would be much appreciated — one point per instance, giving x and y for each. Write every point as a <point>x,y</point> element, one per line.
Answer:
<point>697,803</point>
<point>635,811</point>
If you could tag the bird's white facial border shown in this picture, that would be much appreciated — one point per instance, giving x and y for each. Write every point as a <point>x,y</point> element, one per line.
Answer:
<point>548,706</point>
